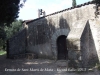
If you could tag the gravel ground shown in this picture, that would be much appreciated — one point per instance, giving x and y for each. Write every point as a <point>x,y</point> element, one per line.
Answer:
<point>38,67</point>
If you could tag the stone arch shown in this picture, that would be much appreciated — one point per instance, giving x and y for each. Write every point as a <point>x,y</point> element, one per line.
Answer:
<point>62,48</point>
<point>54,37</point>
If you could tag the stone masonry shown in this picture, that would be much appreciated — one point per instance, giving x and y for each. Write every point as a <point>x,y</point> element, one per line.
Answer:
<point>79,24</point>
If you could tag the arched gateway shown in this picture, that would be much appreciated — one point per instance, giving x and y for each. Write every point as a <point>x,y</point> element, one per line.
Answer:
<point>59,37</point>
<point>62,48</point>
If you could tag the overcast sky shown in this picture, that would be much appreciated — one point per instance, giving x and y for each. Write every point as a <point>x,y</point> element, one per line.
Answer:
<point>30,10</point>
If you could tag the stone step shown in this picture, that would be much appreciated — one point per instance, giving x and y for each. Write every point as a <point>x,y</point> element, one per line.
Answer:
<point>61,63</point>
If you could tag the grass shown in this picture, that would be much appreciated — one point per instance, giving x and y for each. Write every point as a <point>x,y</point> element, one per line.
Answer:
<point>2,52</point>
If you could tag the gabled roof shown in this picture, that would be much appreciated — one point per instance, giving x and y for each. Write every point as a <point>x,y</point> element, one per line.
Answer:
<point>78,6</point>
<point>25,21</point>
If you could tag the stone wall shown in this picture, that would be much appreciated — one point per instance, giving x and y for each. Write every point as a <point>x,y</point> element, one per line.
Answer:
<point>93,54</point>
<point>95,30</point>
<point>17,44</point>
<point>43,32</point>
<point>80,25</point>
<point>85,46</point>
<point>88,48</point>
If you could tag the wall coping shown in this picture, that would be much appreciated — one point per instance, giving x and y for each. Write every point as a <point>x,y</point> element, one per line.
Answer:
<point>78,6</point>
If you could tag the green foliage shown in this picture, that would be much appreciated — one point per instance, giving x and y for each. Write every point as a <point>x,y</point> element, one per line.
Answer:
<point>2,52</point>
<point>2,38</point>
<point>15,27</point>
<point>2,34</point>
<point>74,3</point>
<point>97,1</point>
<point>1,44</point>
<point>8,32</point>
<point>9,10</point>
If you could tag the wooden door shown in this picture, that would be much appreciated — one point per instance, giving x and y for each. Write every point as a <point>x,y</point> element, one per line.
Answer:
<point>62,48</point>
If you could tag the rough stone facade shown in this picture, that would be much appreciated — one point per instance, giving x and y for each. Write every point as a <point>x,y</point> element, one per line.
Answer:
<point>79,24</point>
<point>17,44</point>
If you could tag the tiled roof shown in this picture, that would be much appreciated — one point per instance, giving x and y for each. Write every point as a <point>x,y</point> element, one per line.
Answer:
<point>28,20</point>
<point>78,6</point>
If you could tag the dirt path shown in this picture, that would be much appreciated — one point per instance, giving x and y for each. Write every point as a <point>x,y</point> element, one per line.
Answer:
<point>37,67</point>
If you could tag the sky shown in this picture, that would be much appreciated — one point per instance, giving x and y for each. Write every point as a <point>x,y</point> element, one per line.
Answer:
<point>30,9</point>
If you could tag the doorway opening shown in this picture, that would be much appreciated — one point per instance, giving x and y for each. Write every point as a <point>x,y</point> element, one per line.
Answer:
<point>62,48</point>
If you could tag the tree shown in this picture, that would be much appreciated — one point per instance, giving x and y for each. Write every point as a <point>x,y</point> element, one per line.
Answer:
<point>74,3</point>
<point>9,10</point>
<point>14,28</point>
<point>10,31</point>
<point>97,1</point>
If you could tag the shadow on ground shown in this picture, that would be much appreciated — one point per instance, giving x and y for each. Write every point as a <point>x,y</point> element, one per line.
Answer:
<point>36,67</point>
